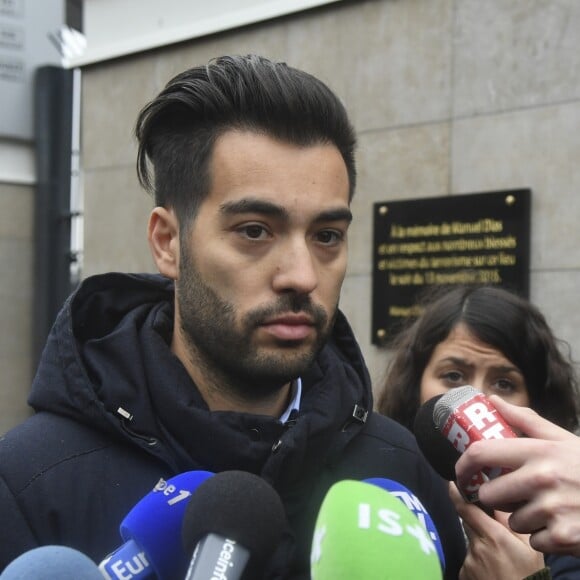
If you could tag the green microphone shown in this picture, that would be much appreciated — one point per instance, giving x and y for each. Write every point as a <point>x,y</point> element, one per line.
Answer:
<point>364,532</point>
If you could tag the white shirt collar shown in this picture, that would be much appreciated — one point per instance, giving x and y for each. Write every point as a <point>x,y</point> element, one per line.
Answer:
<point>296,395</point>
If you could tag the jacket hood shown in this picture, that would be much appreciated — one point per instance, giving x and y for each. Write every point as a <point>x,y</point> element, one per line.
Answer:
<point>107,364</point>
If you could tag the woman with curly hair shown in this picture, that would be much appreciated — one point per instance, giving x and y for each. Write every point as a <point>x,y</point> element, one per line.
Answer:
<point>501,344</point>
<point>486,337</point>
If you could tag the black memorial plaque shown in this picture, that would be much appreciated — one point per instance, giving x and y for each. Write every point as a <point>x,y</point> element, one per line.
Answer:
<point>479,238</point>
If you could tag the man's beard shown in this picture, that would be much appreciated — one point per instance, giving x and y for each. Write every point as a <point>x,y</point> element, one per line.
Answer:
<point>225,348</point>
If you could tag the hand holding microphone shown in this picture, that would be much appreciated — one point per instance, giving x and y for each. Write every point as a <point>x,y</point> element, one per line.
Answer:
<point>449,424</point>
<point>543,485</point>
<point>495,551</point>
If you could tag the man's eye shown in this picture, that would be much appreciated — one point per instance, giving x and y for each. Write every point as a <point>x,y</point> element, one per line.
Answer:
<point>330,237</point>
<point>254,231</point>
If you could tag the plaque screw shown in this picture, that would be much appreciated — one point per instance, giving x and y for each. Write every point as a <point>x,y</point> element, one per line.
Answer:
<point>383,210</point>
<point>510,200</point>
<point>381,333</point>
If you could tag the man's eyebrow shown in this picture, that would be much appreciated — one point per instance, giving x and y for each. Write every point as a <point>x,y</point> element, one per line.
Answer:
<point>251,205</point>
<point>335,215</point>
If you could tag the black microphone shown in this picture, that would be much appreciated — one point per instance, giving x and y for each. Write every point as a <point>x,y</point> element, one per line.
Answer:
<point>437,449</point>
<point>231,526</point>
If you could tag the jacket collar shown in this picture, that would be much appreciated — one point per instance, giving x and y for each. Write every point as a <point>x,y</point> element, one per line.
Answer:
<point>109,350</point>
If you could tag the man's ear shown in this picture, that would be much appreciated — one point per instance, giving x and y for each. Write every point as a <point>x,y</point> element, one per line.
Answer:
<point>163,236</point>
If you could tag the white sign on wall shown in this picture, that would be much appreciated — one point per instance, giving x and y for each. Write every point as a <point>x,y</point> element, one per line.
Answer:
<point>25,45</point>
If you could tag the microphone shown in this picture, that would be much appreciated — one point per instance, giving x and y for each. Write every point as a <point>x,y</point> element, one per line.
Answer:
<point>438,450</point>
<point>465,415</point>
<point>231,526</point>
<point>152,532</point>
<point>365,532</point>
<point>50,562</point>
<point>413,503</point>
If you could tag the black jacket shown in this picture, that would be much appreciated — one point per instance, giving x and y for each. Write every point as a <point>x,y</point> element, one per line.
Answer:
<point>70,473</point>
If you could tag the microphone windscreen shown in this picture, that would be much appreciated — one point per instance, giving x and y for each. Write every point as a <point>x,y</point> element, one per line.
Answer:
<point>50,562</point>
<point>365,532</point>
<point>436,448</point>
<point>155,522</point>
<point>450,401</point>
<point>239,506</point>
<point>412,502</point>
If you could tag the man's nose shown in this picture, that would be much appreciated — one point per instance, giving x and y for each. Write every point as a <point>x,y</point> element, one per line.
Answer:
<point>297,268</point>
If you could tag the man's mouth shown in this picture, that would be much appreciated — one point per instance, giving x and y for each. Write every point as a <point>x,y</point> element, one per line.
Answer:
<point>290,326</point>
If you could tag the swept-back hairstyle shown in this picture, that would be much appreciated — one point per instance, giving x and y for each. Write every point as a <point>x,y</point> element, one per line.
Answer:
<point>500,319</point>
<point>177,130</point>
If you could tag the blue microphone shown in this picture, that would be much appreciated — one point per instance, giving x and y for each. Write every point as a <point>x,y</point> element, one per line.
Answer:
<point>50,562</point>
<point>152,532</point>
<point>414,504</point>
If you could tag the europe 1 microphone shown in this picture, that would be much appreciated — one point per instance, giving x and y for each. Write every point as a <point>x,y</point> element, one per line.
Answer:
<point>151,532</point>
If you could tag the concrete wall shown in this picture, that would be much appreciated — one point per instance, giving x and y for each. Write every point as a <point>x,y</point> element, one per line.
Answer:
<point>448,97</point>
<point>16,295</point>
<point>24,46</point>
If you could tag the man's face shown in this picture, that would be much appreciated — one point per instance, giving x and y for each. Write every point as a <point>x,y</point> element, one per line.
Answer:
<point>262,265</point>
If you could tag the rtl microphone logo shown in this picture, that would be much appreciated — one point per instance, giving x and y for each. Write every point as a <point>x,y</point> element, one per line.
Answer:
<point>474,420</point>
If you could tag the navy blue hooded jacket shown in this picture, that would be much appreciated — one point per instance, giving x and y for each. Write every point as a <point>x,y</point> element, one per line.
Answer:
<point>115,410</point>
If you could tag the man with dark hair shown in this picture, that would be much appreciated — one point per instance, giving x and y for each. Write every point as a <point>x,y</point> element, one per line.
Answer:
<point>235,357</point>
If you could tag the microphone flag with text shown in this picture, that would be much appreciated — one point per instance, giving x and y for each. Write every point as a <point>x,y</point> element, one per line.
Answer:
<point>448,424</point>
<point>412,502</point>
<point>151,532</point>
<point>365,532</point>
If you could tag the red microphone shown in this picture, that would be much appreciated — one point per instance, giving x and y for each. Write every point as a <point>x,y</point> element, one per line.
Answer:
<point>464,415</point>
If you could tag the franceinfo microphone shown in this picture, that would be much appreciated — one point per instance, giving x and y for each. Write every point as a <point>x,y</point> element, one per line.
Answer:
<point>465,415</point>
<point>364,532</point>
<point>414,504</point>
<point>152,532</point>
<point>52,563</point>
<point>232,525</point>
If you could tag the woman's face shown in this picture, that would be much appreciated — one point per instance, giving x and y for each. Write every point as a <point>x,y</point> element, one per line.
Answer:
<point>462,359</point>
